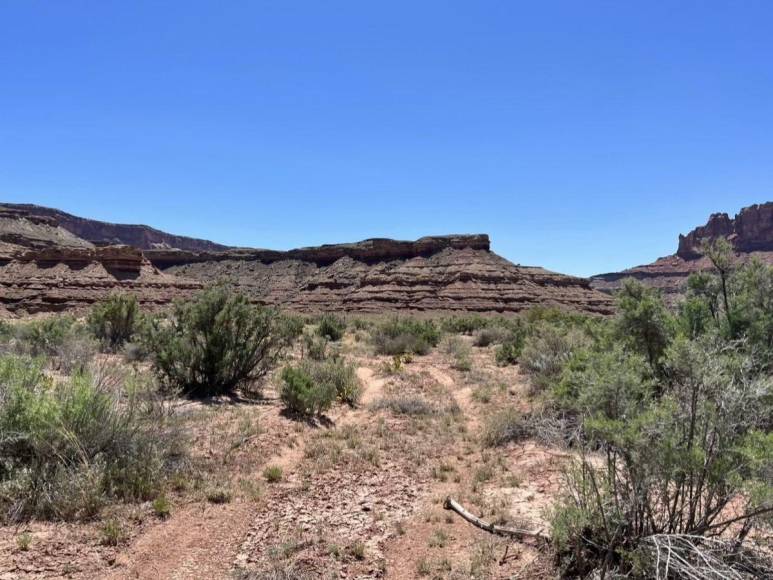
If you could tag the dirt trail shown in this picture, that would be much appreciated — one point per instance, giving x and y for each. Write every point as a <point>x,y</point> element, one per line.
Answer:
<point>200,540</point>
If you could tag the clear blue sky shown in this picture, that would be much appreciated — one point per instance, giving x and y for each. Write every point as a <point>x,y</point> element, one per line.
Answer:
<point>581,135</point>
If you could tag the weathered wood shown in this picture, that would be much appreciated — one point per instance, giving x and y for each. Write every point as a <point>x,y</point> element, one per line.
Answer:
<point>453,505</point>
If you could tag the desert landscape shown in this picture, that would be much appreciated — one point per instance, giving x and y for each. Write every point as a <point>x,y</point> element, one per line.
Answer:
<point>176,408</point>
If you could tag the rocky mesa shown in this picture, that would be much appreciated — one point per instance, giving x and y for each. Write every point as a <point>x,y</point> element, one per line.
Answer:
<point>750,232</point>
<point>55,261</point>
<point>44,267</point>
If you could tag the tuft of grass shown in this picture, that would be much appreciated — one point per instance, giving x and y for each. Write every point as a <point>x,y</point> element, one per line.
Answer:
<point>112,533</point>
<point>24,541</point>
<point>273,474</point>
<point>439,539</point>
<point>219,495</point>
<point>162,507</point>
<point>423,567</point>
<point>357,550</point>
<point>504,427</point>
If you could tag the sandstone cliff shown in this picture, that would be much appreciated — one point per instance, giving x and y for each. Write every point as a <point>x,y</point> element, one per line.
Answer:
<point>46,268</point>
<point>433,274</point>
<point>750,232</point>
<point>104,233</point>
<point>55,261</point>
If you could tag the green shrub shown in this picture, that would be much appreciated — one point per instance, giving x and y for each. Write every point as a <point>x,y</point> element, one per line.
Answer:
<point>339,376</point>
<point>214,344</point>
<point>114,321</point>
<point>679,455</point>
<point>301,394</point>
<point>465,324</point>
<point>66,449</point>
<point>491,335</point>
<point>331,327</point>
<point>547,351</point>
<point>404,335</point>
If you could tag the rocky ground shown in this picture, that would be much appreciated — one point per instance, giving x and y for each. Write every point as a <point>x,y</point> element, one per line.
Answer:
<point>356,494</point>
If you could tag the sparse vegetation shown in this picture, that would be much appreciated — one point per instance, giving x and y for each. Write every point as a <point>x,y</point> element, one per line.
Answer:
<point>273,474</point>
<point>400,336</point>
<point>301,393</point>
<point>115,321</point>
<point>331,327</point>
<point>214,345</point>
<point>67,448</point>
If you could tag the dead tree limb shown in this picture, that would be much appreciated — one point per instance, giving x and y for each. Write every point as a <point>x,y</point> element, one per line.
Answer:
<point>451,504</point>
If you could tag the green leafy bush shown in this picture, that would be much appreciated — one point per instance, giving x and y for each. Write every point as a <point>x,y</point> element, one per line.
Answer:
<point>302,394</point>
<point>404,335</point>
<point>68,448</point>
<point>331,327</point>
<point>214,344</point>
<point>114,321</point>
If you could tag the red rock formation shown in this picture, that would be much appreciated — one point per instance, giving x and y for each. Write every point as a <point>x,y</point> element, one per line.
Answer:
<point>104,233</point>
<point>52,269</point>
<point>438,274</point>
<point>750,233</point>
<point>46,269</point>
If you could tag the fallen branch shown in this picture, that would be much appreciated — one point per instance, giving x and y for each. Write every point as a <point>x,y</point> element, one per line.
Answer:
<point>451,504</point>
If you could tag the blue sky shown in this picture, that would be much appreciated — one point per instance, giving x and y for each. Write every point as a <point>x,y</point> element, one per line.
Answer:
<point>583,136</point>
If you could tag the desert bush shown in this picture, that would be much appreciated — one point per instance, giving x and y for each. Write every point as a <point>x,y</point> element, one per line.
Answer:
<point>302,394</point>
<point>405,335</point>
<point>682,455</point>
<point>68,448</point>
<point>459,351</point>
<point>491,335</point>
<point>214,344</point>
<point>289,327</point>
<point>465,324</point>
<point>547,350</point>
<point>314,347</point>
<point>339,374</point>
<point>644,321</point>
<point>114,321</point>
<point>505,427</point>
<point>60,340</point>
<point>331,327</point>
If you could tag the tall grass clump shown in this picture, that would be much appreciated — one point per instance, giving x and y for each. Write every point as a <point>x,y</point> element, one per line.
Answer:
<point>331,327</point>
<point>115,321</point>
<point>405,336</point>
<point>214,345</point>
<point>66,449</point>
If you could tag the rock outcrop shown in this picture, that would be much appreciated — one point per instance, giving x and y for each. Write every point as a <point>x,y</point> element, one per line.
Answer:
<point>46,268</point>
<point>104,233</point>
<point>54,261</point>
<point>750,233</point>
<point>433,274</point>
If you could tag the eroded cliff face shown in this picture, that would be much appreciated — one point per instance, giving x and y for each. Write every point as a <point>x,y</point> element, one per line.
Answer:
<point>104,233</point>
<point>46,268</point>
<point>437,274</point>
<point>750,232</point>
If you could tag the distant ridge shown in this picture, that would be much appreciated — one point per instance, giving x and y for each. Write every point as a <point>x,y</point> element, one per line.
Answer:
<point>54,261</point>
<point>105,233</point>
